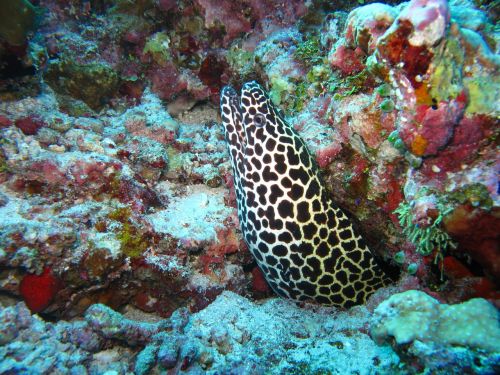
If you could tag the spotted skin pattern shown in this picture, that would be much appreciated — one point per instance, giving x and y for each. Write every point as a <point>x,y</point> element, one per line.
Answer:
<point>303,243</point>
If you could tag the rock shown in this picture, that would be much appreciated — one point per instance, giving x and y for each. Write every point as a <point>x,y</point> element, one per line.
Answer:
<point>416,323</point>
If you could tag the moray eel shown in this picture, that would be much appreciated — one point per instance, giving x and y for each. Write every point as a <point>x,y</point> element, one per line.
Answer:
<point>304,244</point>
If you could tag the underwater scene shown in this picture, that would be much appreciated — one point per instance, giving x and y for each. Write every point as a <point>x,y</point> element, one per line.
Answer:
<point>249,187</point>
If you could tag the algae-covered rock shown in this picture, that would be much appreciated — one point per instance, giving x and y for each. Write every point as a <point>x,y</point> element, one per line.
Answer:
<point>93,83</point>
<point>414,315</point>
<point>434,334</point>
<point>18,19</point>
<point>483,95</point>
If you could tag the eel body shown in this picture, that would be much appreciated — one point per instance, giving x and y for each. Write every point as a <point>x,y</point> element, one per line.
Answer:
<point>304,244</point>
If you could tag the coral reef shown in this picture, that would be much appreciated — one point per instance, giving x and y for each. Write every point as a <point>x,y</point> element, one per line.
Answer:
<point>87,201</point>
<point>116,188</point>
<point>232,334</point>
<point>235,334</point>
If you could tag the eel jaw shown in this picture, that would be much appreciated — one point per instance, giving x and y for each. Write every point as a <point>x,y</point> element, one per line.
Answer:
<point>231,106</point>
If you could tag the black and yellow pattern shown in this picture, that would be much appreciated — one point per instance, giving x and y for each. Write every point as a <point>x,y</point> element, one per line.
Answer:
<point>304,244</point>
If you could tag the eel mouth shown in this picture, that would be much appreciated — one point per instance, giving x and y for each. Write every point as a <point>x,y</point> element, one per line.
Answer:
<point>236,112</point>
<point>232,96</point>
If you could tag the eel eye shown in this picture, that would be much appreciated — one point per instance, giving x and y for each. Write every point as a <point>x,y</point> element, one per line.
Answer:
<point>259,120</point>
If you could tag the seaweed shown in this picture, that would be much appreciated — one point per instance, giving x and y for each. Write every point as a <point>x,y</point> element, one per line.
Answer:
<point>309,51</point>
<point>430,238</point>
<point>347,86</point>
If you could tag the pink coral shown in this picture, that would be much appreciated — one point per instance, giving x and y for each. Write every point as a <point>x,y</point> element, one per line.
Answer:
<point>162,133</point>
<point>227,242</point>
<point>166,81</point>
<point>51,172</point>
<point>429,19</point>
<point>348,60</point>
<point>239,18</point>
<point>365,25</point>
<point>325,155</point>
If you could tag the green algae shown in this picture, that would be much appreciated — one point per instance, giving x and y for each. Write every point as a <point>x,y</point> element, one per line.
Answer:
<point>412,268</point>
<point>477,195</point>
<point>384,90</point>
<point>429,238</point>
<point>483,95</point>
<point>280,87</point>
<point>158,46</point>
<point>347,86</point>
<point>241,60</point>
<point>135,7</point>
<point>399,145</point>
<point>299,98</point>
<point>446,80</point>
<point>393,137</point>
<point>399,257</point>
<point>133,243</point>
<point>309,51</point>
<point>387,105</point>
<point>4,167</point>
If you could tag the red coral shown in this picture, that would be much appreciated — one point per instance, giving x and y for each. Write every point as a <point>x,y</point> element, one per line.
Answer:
<point>419,27</point>
<point>396,48</point>
<point>453,268</point>
<point>133,89</point>
<point>39,290</point>
<point>469,135</point>
<point>394,196</point>
<point>29,125</point>
<point>432,127</point>
<point>167,5</point>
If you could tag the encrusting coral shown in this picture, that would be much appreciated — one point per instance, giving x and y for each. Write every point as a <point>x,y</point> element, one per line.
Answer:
<point>116,187</point>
